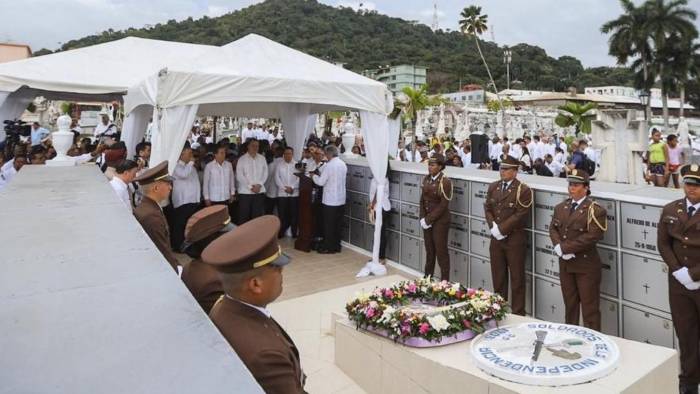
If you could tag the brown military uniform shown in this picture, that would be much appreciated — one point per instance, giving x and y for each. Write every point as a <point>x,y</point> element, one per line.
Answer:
<point>201,229</point>
<point>151,217</point>
<point>509,209</point>
<point>203,282</point>
<point>262,344</point>
<point>679,246</point>
<point>434,207</point>
<point>577,233</point>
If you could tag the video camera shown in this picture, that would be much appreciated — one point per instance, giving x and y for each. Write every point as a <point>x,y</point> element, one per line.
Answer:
<point>16,128</point>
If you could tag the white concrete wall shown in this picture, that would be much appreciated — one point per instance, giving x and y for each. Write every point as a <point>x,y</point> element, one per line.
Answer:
<point>88,304</point>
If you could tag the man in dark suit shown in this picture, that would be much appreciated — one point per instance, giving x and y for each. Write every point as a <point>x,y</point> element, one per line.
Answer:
<point>507,205</point>
<point>156,185</point>
<point>250,261</point>
<point>679,246</point>
<point>577,225</point>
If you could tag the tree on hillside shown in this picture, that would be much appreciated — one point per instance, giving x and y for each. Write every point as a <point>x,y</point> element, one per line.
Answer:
<point>474,23</point>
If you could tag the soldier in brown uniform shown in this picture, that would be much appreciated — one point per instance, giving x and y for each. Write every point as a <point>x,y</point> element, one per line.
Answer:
<point>679,246</point>
<point>250,261</point>
<point>508,203</point>
<point>577,225</point>
<point>203,228</point>
<point>156,186</point>
<point>435,216</point>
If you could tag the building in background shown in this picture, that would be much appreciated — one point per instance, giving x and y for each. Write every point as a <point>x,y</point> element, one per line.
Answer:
<point>475,97</point>
<point>398,77</point>
<point>623,91</point>
<point>11,52</point>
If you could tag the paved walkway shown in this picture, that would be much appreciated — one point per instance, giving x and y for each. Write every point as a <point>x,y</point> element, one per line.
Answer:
<point>311,272</point>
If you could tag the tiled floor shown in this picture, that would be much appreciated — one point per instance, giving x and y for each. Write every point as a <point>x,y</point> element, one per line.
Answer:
<point>312,272</point>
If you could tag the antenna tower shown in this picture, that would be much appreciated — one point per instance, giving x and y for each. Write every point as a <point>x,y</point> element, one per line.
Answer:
<point>435,17</point>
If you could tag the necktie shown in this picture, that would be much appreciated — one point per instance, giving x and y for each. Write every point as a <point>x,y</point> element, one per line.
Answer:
<point>573,207</point>
<point>691,211</point>
<point>503,187</point>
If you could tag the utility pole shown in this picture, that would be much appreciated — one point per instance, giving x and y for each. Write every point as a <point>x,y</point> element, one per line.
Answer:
<point>507,58</point>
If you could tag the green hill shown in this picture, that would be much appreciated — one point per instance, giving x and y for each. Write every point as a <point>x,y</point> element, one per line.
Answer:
<point>365,40</point>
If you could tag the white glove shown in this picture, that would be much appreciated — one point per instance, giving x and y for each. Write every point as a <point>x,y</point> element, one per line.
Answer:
<point>683,276</point>
<point>424,224</point>
<point>557,250</point>
<point>568,256</point>
<point>496,232</point>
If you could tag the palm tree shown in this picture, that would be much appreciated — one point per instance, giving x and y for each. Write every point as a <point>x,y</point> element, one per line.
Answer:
<point>473,23</point>
<point>630,39</point>
<point>668,20</point>
<point>681,60</point>
<point>577,115</point>
<point>414,101</point>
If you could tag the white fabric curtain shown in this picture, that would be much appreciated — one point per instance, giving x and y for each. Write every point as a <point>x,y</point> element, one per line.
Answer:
<point>12,104</point>
<point>171,126</point>
<point>375,131</point>
<point>394,131</point>
<point>134,127</point>
<point>297,122</point>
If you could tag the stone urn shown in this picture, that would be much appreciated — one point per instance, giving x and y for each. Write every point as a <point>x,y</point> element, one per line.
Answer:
<point>348,143</point>
<point>62,141</point>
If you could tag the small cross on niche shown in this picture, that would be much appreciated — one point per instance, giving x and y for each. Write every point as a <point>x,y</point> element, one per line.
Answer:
<point>483,283</point>
<point>553,308</point>
<point>645,232</point>
<point>646,288</point>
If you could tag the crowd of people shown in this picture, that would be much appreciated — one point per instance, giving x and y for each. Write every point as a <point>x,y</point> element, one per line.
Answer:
<point>545,155</point>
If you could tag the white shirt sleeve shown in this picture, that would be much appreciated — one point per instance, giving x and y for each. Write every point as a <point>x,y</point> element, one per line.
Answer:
<point>279,180</point>
<point>232,178</point>
<point>205,182</point>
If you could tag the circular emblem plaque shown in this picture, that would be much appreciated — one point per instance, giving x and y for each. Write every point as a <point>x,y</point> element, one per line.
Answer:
<point>545,354</point>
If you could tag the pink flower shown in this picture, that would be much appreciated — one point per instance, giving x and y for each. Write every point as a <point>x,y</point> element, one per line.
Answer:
<point>388,293</point>
<point>369,312</point>
<point>411,287</point>
<point>406,329</point>
<point>470,292</point>
<point>467,324</point>
<point>424,328</point>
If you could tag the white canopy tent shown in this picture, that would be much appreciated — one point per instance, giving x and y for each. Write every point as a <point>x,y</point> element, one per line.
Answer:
<point>257,77</point>
<point>102,72</point>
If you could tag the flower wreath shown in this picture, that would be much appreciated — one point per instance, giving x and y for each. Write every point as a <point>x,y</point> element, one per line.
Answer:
<point>457,309</point>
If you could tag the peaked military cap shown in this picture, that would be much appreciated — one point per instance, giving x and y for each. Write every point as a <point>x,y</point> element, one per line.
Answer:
<point>247,247</point>
<point>154,174</point>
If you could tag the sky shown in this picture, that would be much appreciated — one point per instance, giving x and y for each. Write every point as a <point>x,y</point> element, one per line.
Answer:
<point>561,27</point>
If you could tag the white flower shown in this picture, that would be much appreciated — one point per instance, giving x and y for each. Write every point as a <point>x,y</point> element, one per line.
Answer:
<point>438,322</point>
<point>387,314</point>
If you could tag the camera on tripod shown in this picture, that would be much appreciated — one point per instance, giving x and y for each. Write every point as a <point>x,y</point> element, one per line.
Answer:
<point>16,128</point>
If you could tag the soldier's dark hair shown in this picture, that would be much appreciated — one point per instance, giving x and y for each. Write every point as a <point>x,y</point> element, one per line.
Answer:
<point>125,165</point>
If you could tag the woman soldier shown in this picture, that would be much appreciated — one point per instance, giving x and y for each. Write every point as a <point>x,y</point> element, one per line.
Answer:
<point>435,198</point>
